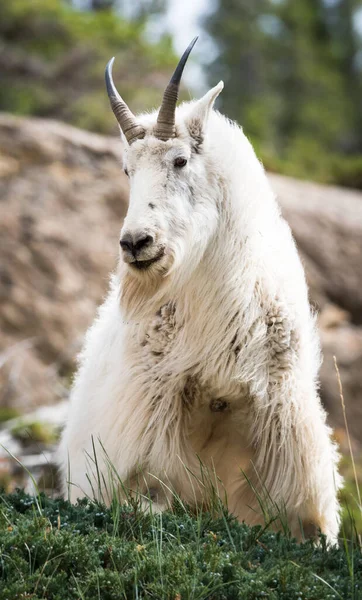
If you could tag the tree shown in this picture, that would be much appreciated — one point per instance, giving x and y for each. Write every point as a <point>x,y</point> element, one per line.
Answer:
<point>53,58</point>
<point>292,79</point>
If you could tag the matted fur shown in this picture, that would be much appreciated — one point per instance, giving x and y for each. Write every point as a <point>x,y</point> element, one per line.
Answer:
<point>210,358</point>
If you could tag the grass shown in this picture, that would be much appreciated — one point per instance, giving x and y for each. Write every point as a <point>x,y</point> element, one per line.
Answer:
<point>88,551</point>
<point>351,507</point>
<point>351,495</point>
<point>52,549</point>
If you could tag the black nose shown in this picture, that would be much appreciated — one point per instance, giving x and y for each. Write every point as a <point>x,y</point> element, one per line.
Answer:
<point>136,242</point>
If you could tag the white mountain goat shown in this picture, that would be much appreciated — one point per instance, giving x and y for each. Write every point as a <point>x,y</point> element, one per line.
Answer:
<point>204,356</point>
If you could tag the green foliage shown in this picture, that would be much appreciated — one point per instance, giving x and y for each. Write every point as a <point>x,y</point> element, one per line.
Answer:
<point>86,551</point>
<point>294,81</point>
<point>53,59</point>
<point>7,413</point>
<point>35,431</point>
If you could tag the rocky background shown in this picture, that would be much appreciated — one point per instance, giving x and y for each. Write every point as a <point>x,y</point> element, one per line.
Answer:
<point>62,199</point>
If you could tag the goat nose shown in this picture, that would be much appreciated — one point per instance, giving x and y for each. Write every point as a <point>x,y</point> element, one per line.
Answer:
<point>136,242</point>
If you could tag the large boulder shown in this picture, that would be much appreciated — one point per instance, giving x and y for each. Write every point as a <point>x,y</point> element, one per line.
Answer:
<point>63,196</point>
<point>62,200</point>
<point>327,225</point>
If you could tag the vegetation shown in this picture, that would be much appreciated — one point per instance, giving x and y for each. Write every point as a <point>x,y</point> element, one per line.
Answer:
<point>7,413</point>
<point>350,496</point>
<point>51,549</point>
<point>33,431</point>
<point>293,79</point>
<point>53,57</point>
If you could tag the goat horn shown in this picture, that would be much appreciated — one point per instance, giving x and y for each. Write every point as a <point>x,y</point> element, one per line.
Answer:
<point>165,128</point>
<point>126,119</point>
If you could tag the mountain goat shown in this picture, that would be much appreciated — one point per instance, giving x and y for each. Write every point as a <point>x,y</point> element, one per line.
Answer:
<point>204,354</point>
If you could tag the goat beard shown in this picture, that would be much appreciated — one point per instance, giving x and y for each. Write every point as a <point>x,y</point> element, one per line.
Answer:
<point>141,294</point>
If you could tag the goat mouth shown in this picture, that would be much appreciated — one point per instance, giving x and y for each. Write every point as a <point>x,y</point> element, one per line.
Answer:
<point>142,265</point>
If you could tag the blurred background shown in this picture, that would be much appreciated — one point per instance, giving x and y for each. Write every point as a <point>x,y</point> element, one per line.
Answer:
<point>293,80</point>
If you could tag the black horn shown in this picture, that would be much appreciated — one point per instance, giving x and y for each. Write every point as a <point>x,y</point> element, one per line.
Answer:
<point>126,119</point>
<point>165,128</point>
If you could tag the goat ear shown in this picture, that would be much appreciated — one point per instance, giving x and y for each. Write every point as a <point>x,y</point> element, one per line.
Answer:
<point>197,119</point>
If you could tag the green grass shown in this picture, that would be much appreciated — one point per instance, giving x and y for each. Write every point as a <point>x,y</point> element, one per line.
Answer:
<point>51,549</point>
<point>349,498</point>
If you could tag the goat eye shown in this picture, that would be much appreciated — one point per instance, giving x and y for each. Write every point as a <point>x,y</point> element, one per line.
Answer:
<point>180,162</point>
<point>126,172</point>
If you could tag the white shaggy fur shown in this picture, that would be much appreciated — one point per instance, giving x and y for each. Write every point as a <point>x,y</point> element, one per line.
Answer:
<point>208,359</point>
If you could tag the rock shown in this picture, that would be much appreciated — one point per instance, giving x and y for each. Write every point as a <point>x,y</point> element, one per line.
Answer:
<point>327,225</point>
<point>27,451</point>
<point>332,316</point>
<point>62,199</point>
<point>345,343</point>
